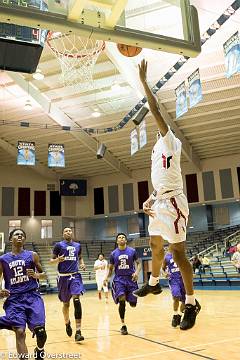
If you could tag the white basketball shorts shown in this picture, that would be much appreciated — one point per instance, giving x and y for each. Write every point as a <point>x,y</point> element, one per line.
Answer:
<point>100,285</point>
<point>171,217</point>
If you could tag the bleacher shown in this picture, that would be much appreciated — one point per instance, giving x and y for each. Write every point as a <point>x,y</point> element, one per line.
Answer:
<point>222,273</point>
<point>90,250</point>
<point>199,241</point>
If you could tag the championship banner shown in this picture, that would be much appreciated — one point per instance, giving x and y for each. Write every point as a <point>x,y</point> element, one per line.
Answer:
<point>134,141</point>
<point>195,88</point>
<point>142,134</point>
<point>232,55</point>
<point>181,100</point>
<point>56,156</point>
<point>26,153</point>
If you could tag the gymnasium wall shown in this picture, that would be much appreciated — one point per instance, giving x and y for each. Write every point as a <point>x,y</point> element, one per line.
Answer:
<point>216,184</point>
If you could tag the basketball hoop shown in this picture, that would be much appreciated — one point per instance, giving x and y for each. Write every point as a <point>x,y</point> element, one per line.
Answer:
<point>77,56</point>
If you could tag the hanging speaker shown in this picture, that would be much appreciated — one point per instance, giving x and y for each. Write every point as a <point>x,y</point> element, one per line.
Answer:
<point>140,115</point>
<point>101,151</point>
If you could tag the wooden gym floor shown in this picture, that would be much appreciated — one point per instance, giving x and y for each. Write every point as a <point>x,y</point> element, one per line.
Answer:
<point>216,334</point>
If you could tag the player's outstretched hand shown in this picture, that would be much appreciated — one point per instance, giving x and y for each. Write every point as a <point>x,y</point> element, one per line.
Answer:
<point>134,277</point>
<point>147,208</point>
<point>60,258</point>
<point>143,70</point>
<point>32,273</point>
<point>4,293</point>
<point>83,267</point>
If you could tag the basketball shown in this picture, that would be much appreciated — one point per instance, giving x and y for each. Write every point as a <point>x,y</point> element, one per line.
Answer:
<point>128,50</point>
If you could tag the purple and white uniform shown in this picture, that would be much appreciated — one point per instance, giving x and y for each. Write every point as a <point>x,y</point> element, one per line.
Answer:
<point>176,284</point>
<point>124,267</point>
<point>25,304</point>
<point>69,279</point>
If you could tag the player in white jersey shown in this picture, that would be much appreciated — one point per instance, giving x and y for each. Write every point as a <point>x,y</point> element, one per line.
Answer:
<point>167,208</point>
<point>101,268</point>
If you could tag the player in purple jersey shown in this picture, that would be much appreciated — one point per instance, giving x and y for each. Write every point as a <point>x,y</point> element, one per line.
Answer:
<point>167,207</point>
<point>21,271</point>
<point>176,286</point>
<point>122,261</point>
<point>67,254</point>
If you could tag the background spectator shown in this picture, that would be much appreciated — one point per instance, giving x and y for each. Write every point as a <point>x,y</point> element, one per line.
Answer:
<point>236,258</point>
<point>196,263</point>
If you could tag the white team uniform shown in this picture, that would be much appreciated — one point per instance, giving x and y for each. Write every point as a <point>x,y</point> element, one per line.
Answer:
<point>101,274</point>
<point>170,203</point>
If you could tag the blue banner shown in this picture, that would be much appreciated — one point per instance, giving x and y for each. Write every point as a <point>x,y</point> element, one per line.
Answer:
<point>142,134</point>
<point>181,100</point>
<point>232,55</point>
<point>134,141</point>
<point>56,156</point>
<point>26,153</point>
<point>195,88</point>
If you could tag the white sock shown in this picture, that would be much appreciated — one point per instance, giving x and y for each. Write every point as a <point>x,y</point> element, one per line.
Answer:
<point>153,280</point>
<point>190,299</point>
<point>175,312</point>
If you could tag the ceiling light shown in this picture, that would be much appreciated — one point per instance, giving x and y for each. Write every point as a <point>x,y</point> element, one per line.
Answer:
<point>101,151</point>
<point>124,90</point>
<point>115,86</point>
<point>96,114</point>
<point>38,75</point>
<point>28,105</point>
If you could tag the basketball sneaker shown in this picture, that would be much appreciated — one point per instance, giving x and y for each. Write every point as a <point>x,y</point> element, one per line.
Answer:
<point>190,314</point>
<point>39,354</point>
<point>124,330</point>
<point>69,329</point>
<point>78,336</point>
<point>148,289</point>
<point>176,320</point>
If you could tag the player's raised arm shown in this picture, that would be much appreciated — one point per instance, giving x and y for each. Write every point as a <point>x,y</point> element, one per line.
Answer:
<point>152,101</point>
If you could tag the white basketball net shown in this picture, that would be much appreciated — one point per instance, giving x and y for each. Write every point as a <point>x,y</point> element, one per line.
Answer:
<point>77,56</point>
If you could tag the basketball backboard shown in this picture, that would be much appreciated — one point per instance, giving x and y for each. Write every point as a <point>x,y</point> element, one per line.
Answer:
<point>166,25</point>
